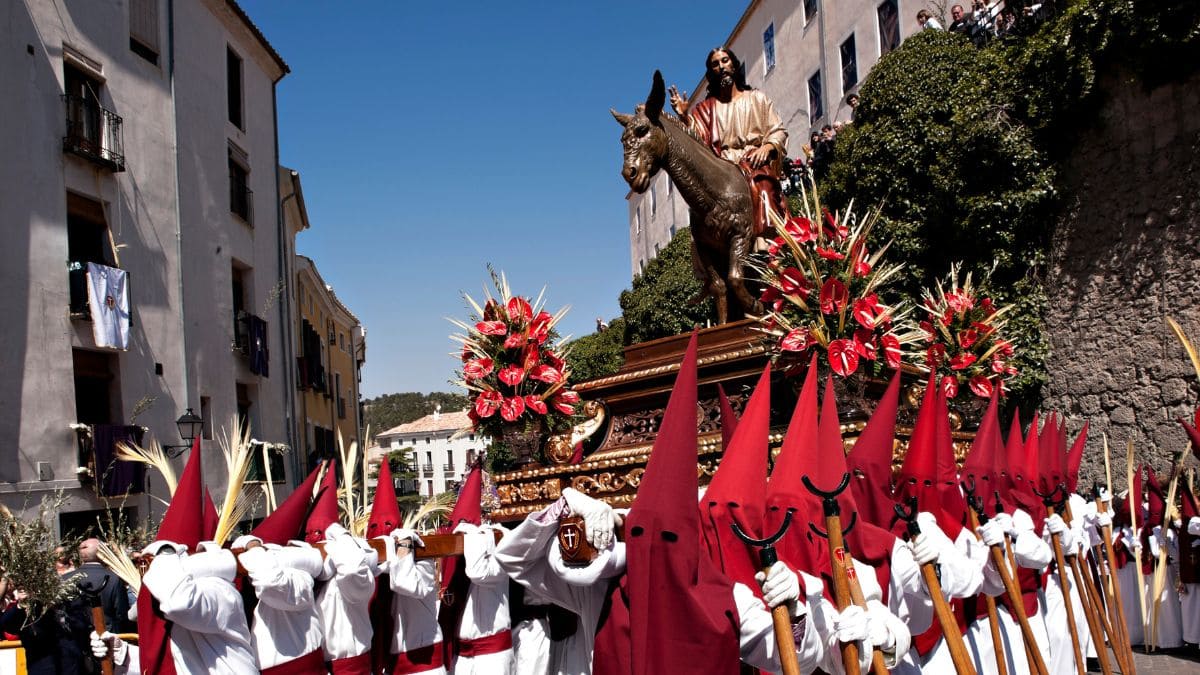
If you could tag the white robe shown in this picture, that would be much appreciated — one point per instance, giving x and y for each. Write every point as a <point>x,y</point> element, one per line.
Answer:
<point>197,595</point>
<point>345,596</point>
<point>286,624</point>
<point>531,641</point>
<point>486,610</point>
<point>1189,602</point>
<point>961,564</point>
<point>1170,619</point>
<point>524,555</point>
<point>414,606</point>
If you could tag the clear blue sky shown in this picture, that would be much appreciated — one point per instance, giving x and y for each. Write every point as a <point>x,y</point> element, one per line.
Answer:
<point>434,138</point>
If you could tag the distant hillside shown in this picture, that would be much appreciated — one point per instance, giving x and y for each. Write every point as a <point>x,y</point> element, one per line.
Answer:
<point>384,412</point>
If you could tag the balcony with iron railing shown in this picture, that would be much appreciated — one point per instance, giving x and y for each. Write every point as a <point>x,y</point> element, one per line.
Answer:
<point>448,469</point>
<point>93,132</point>
<point>427,471</point>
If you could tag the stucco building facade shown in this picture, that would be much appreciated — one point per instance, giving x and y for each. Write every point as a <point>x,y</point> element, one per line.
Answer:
<point>440,447</point>
<point>807,56</point>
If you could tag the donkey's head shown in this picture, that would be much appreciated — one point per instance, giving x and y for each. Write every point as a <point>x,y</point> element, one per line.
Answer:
<point>644,138</point>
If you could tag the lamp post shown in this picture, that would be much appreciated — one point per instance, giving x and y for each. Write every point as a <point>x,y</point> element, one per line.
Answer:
<point>189,424</point>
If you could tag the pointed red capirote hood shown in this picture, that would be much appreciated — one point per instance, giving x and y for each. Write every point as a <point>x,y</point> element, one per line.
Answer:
<point>871,460</point>
<point>385,511</point>
<point>325,507</point>
<point>729,419</point>
<point>286,522</point>
<point>1075,458</point>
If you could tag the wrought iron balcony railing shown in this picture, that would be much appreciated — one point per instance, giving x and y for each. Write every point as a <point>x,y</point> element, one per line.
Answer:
<point>93,132</point>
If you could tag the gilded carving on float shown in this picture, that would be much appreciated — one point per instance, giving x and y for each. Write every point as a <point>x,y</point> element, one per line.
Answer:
<point>561,447</point>
<point>608,481</point>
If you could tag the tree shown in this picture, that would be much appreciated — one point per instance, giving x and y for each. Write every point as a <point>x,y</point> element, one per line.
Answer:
<point>384,412</point>
<point>658,304</point>
<point>409,496</point>
<point>599,354</point>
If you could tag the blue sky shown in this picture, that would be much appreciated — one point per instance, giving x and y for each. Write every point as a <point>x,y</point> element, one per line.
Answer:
<point>434,138</point>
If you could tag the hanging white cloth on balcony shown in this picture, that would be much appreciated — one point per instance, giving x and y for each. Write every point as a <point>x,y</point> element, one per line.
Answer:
<point>108,298</point>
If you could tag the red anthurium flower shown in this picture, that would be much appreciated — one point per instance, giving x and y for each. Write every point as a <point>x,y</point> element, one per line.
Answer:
<point>830,254</point>
<point>950,386</point>
<point>1011,370</point>
<point>569,396</point>
<point>966,338</point>
<point>960,301</point>
<point>927,326</point>
<point>891,350</point>
<point>983,328</point>
<point>981,386</point>
<point>546,374</point>
<point>1006,347</point>
<point>865,343</point>
<point>861,267</point>
<point>770,294</point>
<point>797,340</point>
<point>947,318</point>
<point>935,354</point>
<point>792,280</point>
<point>866,311</point>
<point>774,246</point>
<point>487,403</point>
<point>536,404</point>
<point>515,340</point>
<point>519,309</point>
<point>539,329</point>
<point>833,296</point>
<point>529,358</point>
<point>834,229</point>
<point>565,402</point>
<point>512,408</point>
<point>492,327</point>
<point>962,361</point>
<point>998,366</point>
<point>842,357</point>
<point>473,416</point>
<point>554,361</point>
<point>512,375</point>
<point>479,368</point>
<point>987,306</point>
<point>800,229</point>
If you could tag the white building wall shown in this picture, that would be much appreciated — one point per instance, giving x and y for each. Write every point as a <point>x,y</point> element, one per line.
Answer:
<point>437,459</point>
<point>804,46</point>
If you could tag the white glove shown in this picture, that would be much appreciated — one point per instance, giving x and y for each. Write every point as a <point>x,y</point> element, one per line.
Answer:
<point>400,534</point>
<point>850,625</point>
<point>1105,496</point>
<point>923,549</point>
<point>334,531</point>
<point>1055,525</point>
<point>1006,524</point>
<point>597,517</point>
<point>877,628</point>
<point>992,533</point>
<point>1103,520</point>
<point>779,585</point>
<point>102,644</point>
<point>1194,526</point>
<point>465,528</point>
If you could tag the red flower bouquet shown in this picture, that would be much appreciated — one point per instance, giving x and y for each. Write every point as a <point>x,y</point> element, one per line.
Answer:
<point>963,339</point>
<point>515,374</point>
<point>825,292</point>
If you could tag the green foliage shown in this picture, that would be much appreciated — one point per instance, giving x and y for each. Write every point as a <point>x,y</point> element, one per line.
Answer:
<point>658,304</point>
<point>963,145</point>
<point>599,354</point>
<point>384,412</point>
<point>27,556</point>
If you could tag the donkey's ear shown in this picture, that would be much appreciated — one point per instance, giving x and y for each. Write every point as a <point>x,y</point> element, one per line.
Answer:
<point>657,97</point>
<point>621,118</point>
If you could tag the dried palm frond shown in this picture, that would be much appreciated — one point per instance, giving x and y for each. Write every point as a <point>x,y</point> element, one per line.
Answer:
<point>431,514</point>
<point>153,456</point>
<point>117,559</point>
<point>349,457</point>
<point>237,451</point>
<point>1187,345</point>
<point>27,555</point>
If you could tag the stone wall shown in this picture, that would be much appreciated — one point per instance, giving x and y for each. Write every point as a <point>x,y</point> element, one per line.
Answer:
<point>1126,254</point>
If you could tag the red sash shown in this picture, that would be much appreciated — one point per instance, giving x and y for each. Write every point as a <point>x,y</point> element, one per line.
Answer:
<point>312,663</point>
<point>419,660</point>
<point>352,665</point>
<point>488,644</point>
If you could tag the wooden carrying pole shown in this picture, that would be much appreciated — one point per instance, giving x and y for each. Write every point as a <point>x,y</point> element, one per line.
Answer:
<point>1037,662</point>
<point>839,556</point>
<point>941,608</point>
<point>789,662</point>
<point>841,584</point>
<point>1112,586</point>
<point>93,595</point>
<point>1160,570</point>
<point>1090,603</point>
<point>1135,548</point>
<point>990,605</point>
<point>1056,545</point>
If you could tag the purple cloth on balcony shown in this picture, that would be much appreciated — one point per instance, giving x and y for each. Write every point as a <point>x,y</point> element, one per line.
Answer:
<point>260,362</point>
<point>113,476</point>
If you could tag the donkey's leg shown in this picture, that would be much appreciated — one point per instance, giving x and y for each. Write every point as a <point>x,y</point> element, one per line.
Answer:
<point>715,285</point>
<point>739,250</point>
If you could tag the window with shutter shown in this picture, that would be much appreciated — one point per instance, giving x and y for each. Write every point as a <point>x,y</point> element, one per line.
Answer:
<point>143,29</point>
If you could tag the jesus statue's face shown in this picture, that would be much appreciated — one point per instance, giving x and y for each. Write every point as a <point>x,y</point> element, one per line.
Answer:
<point>721,65</point>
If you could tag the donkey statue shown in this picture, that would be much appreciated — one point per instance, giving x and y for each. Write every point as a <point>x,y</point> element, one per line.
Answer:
<point>722,220</point>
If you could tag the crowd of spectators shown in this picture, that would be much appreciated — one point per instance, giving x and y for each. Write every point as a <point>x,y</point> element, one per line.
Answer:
<point>57,639</point>
<point>990,21</point>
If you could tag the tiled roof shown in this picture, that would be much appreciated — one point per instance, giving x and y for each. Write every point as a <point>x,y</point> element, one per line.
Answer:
<point>258,34</point>
<point>450,421</point>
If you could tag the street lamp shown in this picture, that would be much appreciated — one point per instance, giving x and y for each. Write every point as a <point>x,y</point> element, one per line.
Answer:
<point>189,424</point>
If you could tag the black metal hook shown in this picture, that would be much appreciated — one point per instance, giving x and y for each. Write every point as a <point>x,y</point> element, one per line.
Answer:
<point>907,510</point>
<point>766,547</point>
<point>92,592</point>
<point>845,530</point>
<point>828,497</point>
<point>1048,499</point>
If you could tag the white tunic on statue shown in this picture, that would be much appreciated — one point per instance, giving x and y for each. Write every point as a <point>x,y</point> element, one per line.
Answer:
<point>197,595</point>
<point>486,610</point>
<point>524,554</point>
<point>414,606</point>
<point>285,624</point>
<point>345,596</point>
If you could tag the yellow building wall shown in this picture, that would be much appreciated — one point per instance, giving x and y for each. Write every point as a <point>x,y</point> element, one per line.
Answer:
<point>317,306</point>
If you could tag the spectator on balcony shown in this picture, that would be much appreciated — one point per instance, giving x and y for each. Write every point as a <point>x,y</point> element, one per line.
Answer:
<point>926,21</point>
<point>852,102</point>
